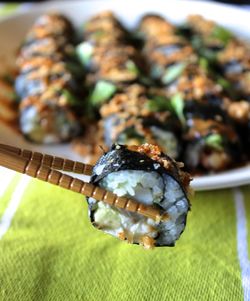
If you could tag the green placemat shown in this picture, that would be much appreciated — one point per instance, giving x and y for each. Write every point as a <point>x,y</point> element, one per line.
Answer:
<point>50,251</point>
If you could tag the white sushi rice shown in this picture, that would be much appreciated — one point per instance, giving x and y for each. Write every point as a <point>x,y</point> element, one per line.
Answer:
<point>31,125</point>
<point>144,186</point>
<point>147,188</point>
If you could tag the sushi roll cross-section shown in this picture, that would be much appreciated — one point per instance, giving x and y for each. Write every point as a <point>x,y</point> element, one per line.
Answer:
<point>141,115</point>
<point>150,177</point>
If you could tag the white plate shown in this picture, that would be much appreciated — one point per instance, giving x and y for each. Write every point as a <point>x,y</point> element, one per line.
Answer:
<point>13,29</point>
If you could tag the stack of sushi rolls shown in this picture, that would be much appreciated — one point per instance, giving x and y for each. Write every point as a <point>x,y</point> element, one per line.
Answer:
<point>234,62</point>
<point>207,37</point>
<point>140,115</point>
<point>230,57</point>
<point>52,36</point>
<point>239,111</point>
<point>210,144</point>
<point>167,52</point>
<point>150,177</point>
<point>47,84</point>
<point>109,58</point>
<point>209,141</point>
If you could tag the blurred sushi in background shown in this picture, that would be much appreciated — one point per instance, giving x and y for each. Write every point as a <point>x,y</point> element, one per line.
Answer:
<point>47,83</point>
<point>167,52</point>
<point>183,87</point>
<point>228,59</point>
<point>141,115</point>
<point>109,57</point>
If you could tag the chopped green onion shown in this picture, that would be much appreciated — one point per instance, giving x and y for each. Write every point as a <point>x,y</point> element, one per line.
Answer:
<point>222,34</point>
<point>177,104</point>
<point>173,72</point>
<point>204,64</point>
<point>215,141</point>
<point>131,66</point>
<point>158,104</point>
<point>102,92</point>
<point>84,52</point>
<point>224,83</point>
<point>227,86</point>
<point>71,99</point>
<point>98,34</point>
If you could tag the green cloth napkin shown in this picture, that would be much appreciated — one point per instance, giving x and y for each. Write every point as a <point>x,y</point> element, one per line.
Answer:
<point>50,251</point>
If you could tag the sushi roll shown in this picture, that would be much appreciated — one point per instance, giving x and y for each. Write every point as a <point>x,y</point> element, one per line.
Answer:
<point>208,38</point>
<point>150,177</point>
<point>152,26</point>
<point>210,142</point>
<point>167,52</point>
<point>115,69</point>
<point>194,83</point>
<point>239,111</point>
<point>98,42</point>
<point>48,25</point>
<point>51,36</point>
<point>110,60</point>
<point>49,82</point>
<point>234,64</point>
<point>226,56</point>
<point>36,78</point>
<point>210,145</point>
<point>141,115</point>
<point>48,117</point>
<point>97,30</point>
<point>55,48</point>
<point>118,64</point>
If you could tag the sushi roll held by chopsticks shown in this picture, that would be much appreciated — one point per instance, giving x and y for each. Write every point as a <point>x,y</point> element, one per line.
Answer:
<point>135,193</point>
<point>151,178</point>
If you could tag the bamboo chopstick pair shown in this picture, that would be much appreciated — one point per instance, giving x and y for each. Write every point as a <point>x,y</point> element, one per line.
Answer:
<point>45,167</point>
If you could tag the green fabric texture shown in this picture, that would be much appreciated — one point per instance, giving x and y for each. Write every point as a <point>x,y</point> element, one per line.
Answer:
<point>52,252</point>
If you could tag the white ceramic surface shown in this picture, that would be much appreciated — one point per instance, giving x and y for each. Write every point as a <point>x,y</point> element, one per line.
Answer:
<point>13,29</point>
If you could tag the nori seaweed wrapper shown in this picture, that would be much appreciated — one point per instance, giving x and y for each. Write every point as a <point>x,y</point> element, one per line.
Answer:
<point>120,157</point>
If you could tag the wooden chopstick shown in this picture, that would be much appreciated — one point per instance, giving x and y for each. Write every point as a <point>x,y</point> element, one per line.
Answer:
<point>45,173</point>
<point>50,161</point>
